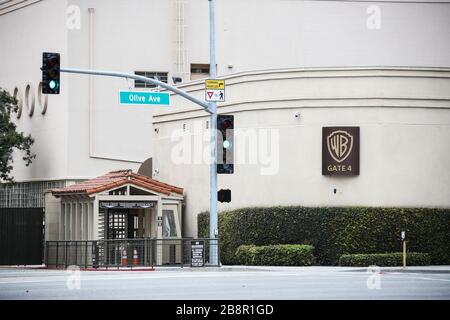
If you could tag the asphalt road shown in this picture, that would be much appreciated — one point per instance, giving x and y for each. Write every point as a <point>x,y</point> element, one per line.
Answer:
<point>227,284</point>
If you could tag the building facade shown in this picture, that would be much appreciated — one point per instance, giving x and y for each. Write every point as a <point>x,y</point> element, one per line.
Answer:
<point>291,68</point>
<point>279,116</point>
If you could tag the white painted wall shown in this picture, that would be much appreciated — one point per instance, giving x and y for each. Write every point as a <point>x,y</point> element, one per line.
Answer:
<point>24,35</point>
<point>403,116</point>
<point>52,217</point>
<point>267,34</point>
<point>404,121</point>
<point>123,43</point>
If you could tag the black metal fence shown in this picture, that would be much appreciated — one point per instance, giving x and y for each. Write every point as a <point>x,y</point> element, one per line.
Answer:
<point>129,253</point>
<point>21,236</point>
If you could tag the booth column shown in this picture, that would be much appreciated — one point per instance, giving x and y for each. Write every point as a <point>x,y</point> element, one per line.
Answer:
<point>159,243</point>
<point>95,213</point>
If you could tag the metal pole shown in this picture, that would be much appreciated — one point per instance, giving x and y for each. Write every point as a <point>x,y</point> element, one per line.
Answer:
<point>65,254</point>
<point>182,253</point>
<point>213,225</point>
<point>57,254</point>
<point>76,253</point>
<point>404,254</point>
<point>46,249</point>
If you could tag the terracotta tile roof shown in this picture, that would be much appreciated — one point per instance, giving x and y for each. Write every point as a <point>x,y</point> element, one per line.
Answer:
<point>115,179</point>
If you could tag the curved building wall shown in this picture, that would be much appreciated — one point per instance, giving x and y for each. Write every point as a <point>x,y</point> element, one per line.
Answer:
<point>404,120</point>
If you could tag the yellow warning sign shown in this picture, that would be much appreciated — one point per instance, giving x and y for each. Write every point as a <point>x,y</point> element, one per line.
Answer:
<point>211,84</point>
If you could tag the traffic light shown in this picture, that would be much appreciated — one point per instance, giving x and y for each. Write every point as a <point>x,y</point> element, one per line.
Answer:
<point>224,195</point>
<point>50,73</point>
<point>225,144</point>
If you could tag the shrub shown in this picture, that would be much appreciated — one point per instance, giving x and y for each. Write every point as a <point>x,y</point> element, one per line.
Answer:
<point>384,259</point>
<point>276,255</point>
<point>245,254</point>
<point>334,231</point>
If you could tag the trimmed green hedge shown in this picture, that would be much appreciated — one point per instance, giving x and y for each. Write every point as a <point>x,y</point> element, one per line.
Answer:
<point>276,255</point>
<point>384,259</point>
<point>334,231</point>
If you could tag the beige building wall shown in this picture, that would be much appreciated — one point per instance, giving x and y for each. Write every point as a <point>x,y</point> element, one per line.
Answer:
<point>85,132</point>
<point>52,217</point>
<point>404,119</point>
<point>391,80</point>
<point>23,34</point>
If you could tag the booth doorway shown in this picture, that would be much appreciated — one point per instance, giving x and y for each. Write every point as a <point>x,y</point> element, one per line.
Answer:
<point>124,224</point>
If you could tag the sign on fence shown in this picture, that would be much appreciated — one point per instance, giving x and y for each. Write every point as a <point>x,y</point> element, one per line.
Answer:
<point>198,253</point>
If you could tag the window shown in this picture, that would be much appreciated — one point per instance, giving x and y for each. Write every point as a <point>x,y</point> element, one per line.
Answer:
<point>26,194</point>
<point>161,76</point>
<point>199,71</point>
<point>133,226</point>
<point>117,225</point>
<point>169,228</point>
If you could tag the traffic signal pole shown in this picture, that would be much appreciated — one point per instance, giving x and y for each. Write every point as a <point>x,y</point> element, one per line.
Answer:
<point>164,85</point>
<point>213,217</point>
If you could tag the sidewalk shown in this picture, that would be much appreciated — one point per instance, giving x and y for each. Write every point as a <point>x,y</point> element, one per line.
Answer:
<point>240,268</point>
<point>418,269</point>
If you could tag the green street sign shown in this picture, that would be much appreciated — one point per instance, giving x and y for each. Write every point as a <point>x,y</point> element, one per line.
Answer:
<point>147,98</point>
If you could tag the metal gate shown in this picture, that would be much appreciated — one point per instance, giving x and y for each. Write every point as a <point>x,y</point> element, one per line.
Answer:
<point>144,252</point>
<point>21,236</point>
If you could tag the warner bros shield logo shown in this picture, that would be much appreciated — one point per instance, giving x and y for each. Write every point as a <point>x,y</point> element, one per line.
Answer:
<point>340,144</point>
<point>340,151</point>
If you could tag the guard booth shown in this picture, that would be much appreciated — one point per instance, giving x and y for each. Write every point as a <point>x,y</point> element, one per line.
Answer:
<point>118,219</point>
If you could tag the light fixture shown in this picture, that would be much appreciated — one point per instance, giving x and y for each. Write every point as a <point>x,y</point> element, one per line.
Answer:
<point>176,80</point>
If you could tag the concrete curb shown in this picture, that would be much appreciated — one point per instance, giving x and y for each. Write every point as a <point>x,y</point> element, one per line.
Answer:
<point>228,268</point>
<point>412,269</point>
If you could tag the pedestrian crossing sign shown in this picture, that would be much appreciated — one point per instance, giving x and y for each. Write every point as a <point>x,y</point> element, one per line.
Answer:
<point>214,90</point>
